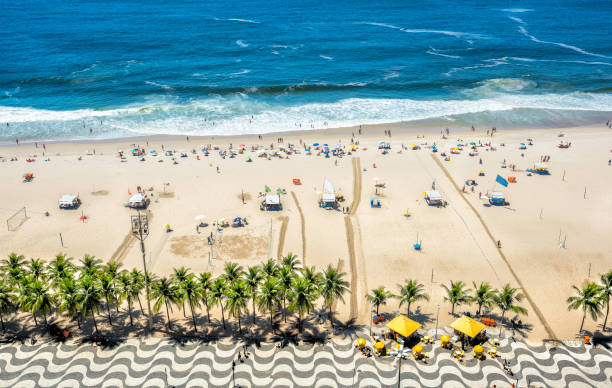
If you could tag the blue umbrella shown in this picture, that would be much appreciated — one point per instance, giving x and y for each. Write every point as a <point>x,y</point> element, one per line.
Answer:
<point>315,144</point>
<point>522,143</point>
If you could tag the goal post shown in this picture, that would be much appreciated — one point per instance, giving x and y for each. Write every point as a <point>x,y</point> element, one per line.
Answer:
<point>17,219</point>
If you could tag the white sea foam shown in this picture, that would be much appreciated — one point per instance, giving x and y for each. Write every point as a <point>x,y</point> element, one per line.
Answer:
<point>517,10</point>
<point>244,21</point>
<point>488,63</point>
<point>497,86</point>
<point>241,43</point>
<point>524,31</point>
<point>456,34</point>
<point>244,71</point>
<point>165,87</point>
<point>327,57</point>
<point>433,51</point>
<point>518,20</point>
<point>232,114</point>
<point>393,74</point>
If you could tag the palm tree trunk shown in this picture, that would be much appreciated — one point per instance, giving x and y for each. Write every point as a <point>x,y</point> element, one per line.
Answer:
<point>108,312</point>
<point>195,326</point>
<point>284,312</point>
<point>222,315</point>
<point>408,311</point>
<point>140,303</point>
<point>300,322</point>
<point>377,306</point>
<point>184,312</point>
<point>130,310</point>
<point>607,312</point>
<point>254,309</point>
<point>2,321</point>
<point>94,319</point>
<point>453,309</point>
<point>271,323</point>
<point>45,317</point>
<point>582,324</point>
<point>479,308</point>
<point>239,325</point>
<point>35,321</point>
<point>208,312</point>
<point>331,318</point>
<point>168,314</point>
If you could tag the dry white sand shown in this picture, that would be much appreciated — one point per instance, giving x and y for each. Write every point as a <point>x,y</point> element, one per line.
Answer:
<point>372,245</point>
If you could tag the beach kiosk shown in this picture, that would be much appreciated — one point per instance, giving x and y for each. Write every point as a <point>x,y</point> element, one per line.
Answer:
<point>403,326</point>
<point>433,198</point>
<point>328,196</point>
<point>271,202</point>
<point>69,201</point>
<point>468,326</point>
<point>138,201</point>
<point>497,198</point>
<point>541,169</point>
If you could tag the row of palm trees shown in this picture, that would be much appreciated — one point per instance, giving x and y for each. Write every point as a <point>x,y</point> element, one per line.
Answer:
<point>591,298</point>
<point>506,299</point>
<point>79,291</point>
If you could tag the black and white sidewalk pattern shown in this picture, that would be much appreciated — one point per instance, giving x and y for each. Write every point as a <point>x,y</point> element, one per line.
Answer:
<point>161,362</point>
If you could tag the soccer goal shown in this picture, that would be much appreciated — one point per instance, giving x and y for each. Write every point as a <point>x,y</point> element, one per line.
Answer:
<point>16,220</point>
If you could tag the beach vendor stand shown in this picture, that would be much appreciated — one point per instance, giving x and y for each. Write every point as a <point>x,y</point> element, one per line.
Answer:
<point>69,201</point>
<point>540,169</point>
<point>433,198</point>
<point>497,198</point>
<point>328,196</point>
<point>374,201</point>
<point>469,328</point>
<point>138,201</point>
<point>271,202</point>
<point>402,326</point>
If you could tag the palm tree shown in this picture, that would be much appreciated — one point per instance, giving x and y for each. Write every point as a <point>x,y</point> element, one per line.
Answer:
<point>41,299</point>
<point>179,277</point>
<point>252,280</point>
<point>90,298</point>
<point>333,287</point>
<point>506,300</point>
<point>90,266</point>
<point>7,301</point>
<point>217,294</point>
<point>126,291</point>
<point>606,293</point>
<point>112,270</point>
<point>232,272</point>
<point>290,261</point>
<point>412,291</point>
<point>457,294</point>
<point>588,299</point>
<point>164,292</point>
<point>60,267</point>
<point>24,297</point>
<point>205,280</point>
<point>301,296</point>
<point>285,280</point>
<point>379,297</point>
<point>237,298</point>
<point>138,284</point>
<point>269,268</point>
<point>191,289</point>
<point>268,297</point>
<point>108,290</point>
<point>314,279</point>
<point>484,295</point>
<point>13,267</point>
<point>69,298</point>
<point>36,268</point>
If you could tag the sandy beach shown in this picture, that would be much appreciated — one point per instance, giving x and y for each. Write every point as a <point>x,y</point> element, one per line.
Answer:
<point>553,234</point>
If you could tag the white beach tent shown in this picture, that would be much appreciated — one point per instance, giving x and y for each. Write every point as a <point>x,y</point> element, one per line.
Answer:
<point>328,195</point>
<point>433,195</point>
<point>67,199</point>
<point>272,200</point>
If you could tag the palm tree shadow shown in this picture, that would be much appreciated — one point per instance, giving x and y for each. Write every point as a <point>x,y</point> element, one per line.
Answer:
<point>421,317</point>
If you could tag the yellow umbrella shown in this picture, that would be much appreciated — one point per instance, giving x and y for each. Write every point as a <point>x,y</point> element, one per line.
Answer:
<point>445,338</point>
<point>418,348</point>
<point>404,326</point>
<point>361,342</point>
<point>467,326</point>
<point>379,345</point>
<point>397,346</point>
<point>478,349</point>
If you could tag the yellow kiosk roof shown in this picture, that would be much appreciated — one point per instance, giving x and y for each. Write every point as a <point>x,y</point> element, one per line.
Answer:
<point>467,326</point>
<point>404,326</point>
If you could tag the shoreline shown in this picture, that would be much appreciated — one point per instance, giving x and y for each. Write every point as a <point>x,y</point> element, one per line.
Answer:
<point>401,128</point>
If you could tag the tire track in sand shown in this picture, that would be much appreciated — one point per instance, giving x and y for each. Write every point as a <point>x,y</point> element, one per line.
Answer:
<point>303,224</point>
<point>535,308</point>
<point>281,237</point>
<point>350,235</point>
<point>123,248</point>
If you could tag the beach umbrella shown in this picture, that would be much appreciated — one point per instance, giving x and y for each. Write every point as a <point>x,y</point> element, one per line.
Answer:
<point>361,342</point>
<point>472,143</point>
<point>237,219</point>
<point>418,348</point>
<point>325,145</point>
<point>379,345</point>
<point>373,198</point>
<point>315,144</point>
<point>200,217</point>
<point>478,349</point>
<point>241,145</point>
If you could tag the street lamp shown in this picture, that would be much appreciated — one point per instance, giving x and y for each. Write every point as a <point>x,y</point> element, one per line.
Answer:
<point>400,353</point>
<point>437,315</point>
<point>140,230</point>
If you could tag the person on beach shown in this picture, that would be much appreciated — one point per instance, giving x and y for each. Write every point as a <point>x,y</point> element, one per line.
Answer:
<point>17,141</point>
